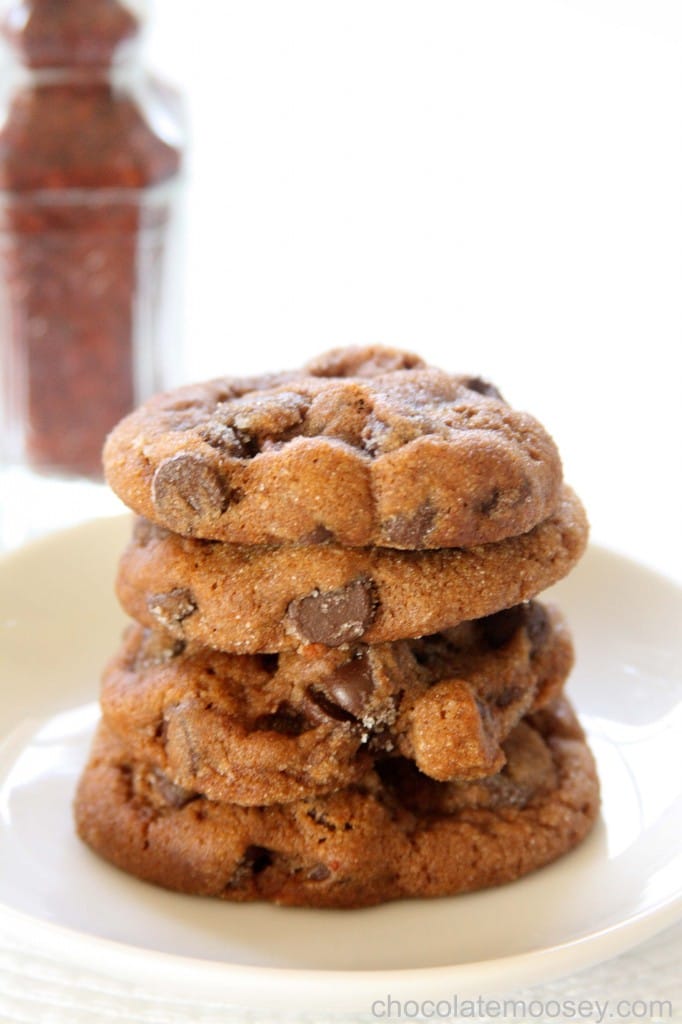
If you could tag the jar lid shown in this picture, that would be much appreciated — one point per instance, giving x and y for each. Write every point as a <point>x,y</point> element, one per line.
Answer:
<point>68,33</point>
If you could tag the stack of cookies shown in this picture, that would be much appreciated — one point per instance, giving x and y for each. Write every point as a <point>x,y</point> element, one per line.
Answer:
<point>340,687</point>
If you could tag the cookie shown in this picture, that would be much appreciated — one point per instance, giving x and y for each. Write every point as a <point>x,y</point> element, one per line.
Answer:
<point>394,834</point>
<point>269,599</point>
<point>360,447</point>
<point>254,729</point>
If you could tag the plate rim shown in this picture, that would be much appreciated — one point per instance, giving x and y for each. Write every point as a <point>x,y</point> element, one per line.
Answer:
<point>315,989</point>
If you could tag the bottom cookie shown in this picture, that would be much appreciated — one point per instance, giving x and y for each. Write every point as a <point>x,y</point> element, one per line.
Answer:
<point>396,834</point>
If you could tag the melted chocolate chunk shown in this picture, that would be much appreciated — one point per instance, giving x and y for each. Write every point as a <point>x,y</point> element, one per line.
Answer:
<point>171,609</point>
<point>350,685</point>
<point>174,795</point>
<point>411,531</point>
<point>335,617</point>
<point>186,488</point>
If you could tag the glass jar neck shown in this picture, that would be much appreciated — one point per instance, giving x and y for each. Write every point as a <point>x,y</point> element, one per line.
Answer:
<point>126,70</point>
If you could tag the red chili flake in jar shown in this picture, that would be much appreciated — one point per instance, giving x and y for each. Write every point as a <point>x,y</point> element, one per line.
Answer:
<point>90,164</point>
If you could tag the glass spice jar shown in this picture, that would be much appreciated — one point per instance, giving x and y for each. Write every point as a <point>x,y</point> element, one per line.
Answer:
<point>90,171</point>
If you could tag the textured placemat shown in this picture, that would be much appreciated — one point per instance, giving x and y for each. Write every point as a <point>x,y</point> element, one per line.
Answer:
<point>641,985</point>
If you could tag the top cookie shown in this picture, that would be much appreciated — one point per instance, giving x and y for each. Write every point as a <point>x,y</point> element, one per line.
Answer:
<point>363,446</point>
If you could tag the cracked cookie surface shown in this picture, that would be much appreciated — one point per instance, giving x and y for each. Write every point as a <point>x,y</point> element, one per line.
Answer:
<point>392,835</point>
<point>254,729</point>
<point>361,447</point>
<point>268,599</point>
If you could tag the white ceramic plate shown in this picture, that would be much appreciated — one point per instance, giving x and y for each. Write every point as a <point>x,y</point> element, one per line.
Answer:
<point>58,624</point>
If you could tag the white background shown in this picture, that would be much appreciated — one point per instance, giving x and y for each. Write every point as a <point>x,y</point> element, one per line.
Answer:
<point>494,183</point>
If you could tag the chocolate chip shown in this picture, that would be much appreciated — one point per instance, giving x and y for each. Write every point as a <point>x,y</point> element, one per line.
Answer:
<point>422,654</point>
<point>157,648</point>
<point>484,713</point>
<point>320,818</point>
<point>376,436</point>
<point>256,859</point>
<point>335,617</point>
<point>145,532</point>
<point>253,861</point>
<point>286,720</point>
<point>488,504</point>
<point>185,489</point>
<point>319,706</point>
<point>482,387</point>
<point>172,608</point>
<point>537,624</point>
<point>249,446</point>
<point>510,499</point>
<point>180,734</point>
<point>411,531</point>
<point>508,696</point>
<point>269,663</point>
<point>176,796</point>
<point>350,685</point>
<point>404,781</point>
<point>498,629</point>
<point>320,535</point>
<point>319,873</point>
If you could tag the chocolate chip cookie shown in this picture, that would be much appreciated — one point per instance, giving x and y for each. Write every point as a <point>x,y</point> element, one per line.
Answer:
<point>262,729</point>
<point>360,447</point>
<point>269,599</point>
<point>393,834</point>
